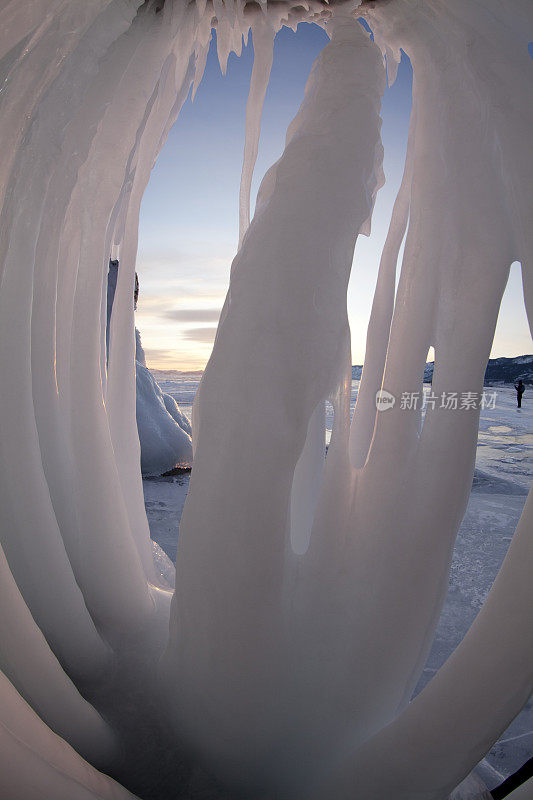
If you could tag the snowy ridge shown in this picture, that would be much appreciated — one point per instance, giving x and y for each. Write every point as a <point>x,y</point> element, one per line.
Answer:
<point>499,370</point>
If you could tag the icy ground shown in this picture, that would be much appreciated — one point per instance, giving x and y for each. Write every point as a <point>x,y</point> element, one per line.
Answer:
<point>503,476</point>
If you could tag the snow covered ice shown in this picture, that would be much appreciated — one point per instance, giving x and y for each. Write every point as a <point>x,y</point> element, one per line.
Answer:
<point>165,444</point>
<point>308,591</point>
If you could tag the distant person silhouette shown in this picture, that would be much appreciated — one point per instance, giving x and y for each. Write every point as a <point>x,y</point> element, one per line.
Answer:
<point>519,392</point>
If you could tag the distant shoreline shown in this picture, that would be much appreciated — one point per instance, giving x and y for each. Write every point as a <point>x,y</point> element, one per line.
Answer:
<point>499,370</point>
<point>175,373</point>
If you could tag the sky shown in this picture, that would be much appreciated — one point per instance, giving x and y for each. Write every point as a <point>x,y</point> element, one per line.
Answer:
<point>189,216</point>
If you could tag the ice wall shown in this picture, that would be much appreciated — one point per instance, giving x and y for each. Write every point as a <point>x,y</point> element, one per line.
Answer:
<point>307,591</point>
<point>82,567</point>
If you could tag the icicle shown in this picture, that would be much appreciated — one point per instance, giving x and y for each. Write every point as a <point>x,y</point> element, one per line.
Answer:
<point>364,416</point>
<point>201,59</point>
<point>163,108</point>
<point>306,482</point>
<point>263,39</point>
<point>393,59</point>
<point>224,35</point>
<point>201,4</point>
<point>237,41</point>
<point>28,662</point>
<point>122,599</point>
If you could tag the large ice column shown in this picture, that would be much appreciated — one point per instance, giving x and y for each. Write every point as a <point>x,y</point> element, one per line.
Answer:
<point>29,229</point>
<point>377,338</point>
<point>110,545</point>
<point>90,90</point>
<point>28,662</point>
<point>280,346</point>
<point>36,763</point>
<point>406,501</point>
<point>170,92</point>
<point>448,728</point>
<point>65,529</point>
<point>130,90</point>
<point>465,229</point>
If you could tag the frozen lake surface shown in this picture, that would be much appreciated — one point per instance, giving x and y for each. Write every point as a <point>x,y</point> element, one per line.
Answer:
<point>502,479</point>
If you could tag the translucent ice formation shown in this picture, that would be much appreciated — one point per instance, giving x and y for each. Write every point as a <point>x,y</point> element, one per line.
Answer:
<point>307,591</point>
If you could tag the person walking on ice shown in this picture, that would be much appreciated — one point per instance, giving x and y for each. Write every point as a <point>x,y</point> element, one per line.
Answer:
<point>519,392</point>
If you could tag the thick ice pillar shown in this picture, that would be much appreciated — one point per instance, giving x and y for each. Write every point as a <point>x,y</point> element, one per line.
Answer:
<point>36,763</point>
<point>73,568</point>
<point>465,229</point>
<point>280,348</point>
<point>34,89</point>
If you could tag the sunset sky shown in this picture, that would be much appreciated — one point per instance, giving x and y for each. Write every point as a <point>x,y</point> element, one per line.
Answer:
<point>189,217</point>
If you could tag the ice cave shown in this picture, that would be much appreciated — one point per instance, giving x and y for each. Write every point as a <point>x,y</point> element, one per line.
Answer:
<point>307,589</point>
